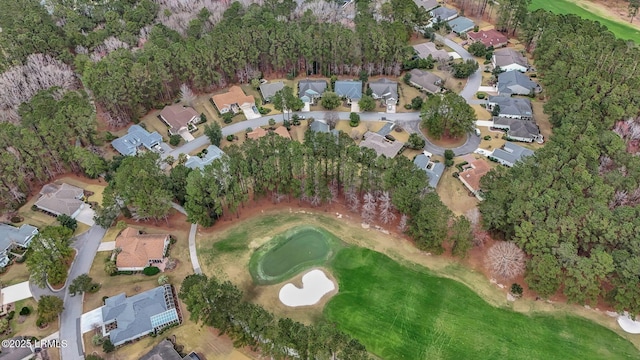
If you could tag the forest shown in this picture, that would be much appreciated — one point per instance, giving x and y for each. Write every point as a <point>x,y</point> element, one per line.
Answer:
<point>573,207</point>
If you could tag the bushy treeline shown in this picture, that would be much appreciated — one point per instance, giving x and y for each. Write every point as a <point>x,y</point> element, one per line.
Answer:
<point>45,143</point>
<point>322,170</point>
<point>573,208</point>
<point>221,305</point>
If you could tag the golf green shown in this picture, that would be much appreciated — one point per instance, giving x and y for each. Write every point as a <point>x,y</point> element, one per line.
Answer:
<point>406,312</point>
<point>291,252</point>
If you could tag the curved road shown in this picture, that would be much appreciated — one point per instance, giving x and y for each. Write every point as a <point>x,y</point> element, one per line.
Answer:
<point>475,80</point>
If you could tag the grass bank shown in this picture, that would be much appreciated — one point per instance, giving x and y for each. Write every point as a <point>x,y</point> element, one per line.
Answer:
<point>620,29</point>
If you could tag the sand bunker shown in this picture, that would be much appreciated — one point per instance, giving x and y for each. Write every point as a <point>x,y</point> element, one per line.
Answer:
<point>629,325</point>
<point>315,285</point>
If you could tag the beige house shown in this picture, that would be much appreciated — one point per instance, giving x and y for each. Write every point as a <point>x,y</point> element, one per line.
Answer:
<point>61,199</point>
<point>137,251</point>
<point>181,120</point>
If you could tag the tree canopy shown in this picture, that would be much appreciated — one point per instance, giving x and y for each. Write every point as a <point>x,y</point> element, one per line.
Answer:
<point>447,114</point>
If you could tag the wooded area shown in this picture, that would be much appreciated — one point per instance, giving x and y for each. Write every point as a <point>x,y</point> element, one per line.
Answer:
<point>573,206</point>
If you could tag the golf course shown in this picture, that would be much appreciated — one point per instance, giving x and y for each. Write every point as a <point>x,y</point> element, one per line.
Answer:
<point>619,28</point>
<point>397,308</point>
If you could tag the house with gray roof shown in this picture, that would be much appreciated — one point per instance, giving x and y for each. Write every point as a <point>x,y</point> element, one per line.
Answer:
<point>515,108</point>
<point>268,90</point>
<point>427,4</point>
<point>210,155</point>
<point>135,139</point>
<point>165,350</point>
<point>508,59</point>
<point>381,145</point>
<point>323,127</point>
<point>61,199</point>
<point>516,83</point>
<point>387,128</point>
<point>427,49</point>
<point>11,237</point>
<point>518,129</point>
<point>426,81</point>
<point>461,25</point>
<point>510,154</point>
<point>384,89</point>
<point>311,90</point>
<point>443,14</point>
<point>128,318</point>
<point>349,89</point>
<point>434,170</point>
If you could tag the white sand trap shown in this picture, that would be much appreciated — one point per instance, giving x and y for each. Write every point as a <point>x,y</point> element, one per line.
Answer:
<point>315,285</point>
<point>628,325</point>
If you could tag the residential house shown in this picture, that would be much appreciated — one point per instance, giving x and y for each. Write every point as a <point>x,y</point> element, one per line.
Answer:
<point>181,120</point>
<point>320,126</point>
<point>311,90</point>
<point>426,81</point>
<point>386,91</point>
<point>260,132</point>
<point>509,59</point>
<point>461,25</point>
<point>516,83</point>
<point>11,237</point>
<point>510,154</point>
<point>234,101</point>
<point>515,108</point>
<point>443,14</point>
<point>518,129</point>
<point>137,251</point>
<point>381,145</point>
<point>210,155</point>
<point>136,138</point>
<point>268,90</point>
<point>350,90</point>
<point>488,37</point>
<point>429,48</point>
<point>472,173</point>
<point>434,170</point>
<point>126,319</point>
<point>427,4</point>
<point>61,199</point>
<point>165,350</point>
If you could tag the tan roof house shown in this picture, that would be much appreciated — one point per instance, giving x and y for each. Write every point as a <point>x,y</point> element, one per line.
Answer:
<point>429,48</point>
<point>61,199</point>
<point>282,131</point>
<point>381,145</point>
<point>137,251</point>
<point>426,81</point>
<point>260,132</point>
<point>180,119</point>
<point>472,174</point>
<point>234,100</point>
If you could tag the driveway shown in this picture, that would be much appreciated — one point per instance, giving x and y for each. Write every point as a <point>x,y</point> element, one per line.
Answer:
<point>17,292</point>
<point>475,80</point>
<point>86,216</point>
<point>89,319</point>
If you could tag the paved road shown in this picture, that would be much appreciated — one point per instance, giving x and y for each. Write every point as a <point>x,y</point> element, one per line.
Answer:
<point>472,143</point>
<point>475,80</point>
<point>87,245</point>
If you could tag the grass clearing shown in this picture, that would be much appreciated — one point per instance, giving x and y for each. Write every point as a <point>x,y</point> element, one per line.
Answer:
<point>426,314</point>
<point>454,194</point>
<point>291,252</point>
<point>618,28</point>
<point>15,274</point>
<point>28,325</point>
<point>402,312</point>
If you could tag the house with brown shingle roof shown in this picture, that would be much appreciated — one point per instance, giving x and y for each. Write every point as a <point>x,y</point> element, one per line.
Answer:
<point>233,100</point>
<point>490,37</point>
<point>381,145</point>
<point>260,132</point>
<point>61,199</point>
<point>472,173</point>
<point>136,251</point>
<point>282,131</point>
<point>178,118</point>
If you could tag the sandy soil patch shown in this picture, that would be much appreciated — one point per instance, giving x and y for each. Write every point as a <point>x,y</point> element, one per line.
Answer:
<point>315,285</point>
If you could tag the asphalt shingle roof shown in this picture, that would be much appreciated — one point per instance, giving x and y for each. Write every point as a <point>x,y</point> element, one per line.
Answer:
<point>349,89</point>
<point>512,106</point>
<point>511,153</point>
<point>509,81</point>
<point>136,136</point>
<point>196,162</point>
<point>268,90</point>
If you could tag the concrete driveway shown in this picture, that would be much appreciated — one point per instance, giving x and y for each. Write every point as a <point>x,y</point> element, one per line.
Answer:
<point>89,319</point>
<point>17,292</point>
<point>86,216</point>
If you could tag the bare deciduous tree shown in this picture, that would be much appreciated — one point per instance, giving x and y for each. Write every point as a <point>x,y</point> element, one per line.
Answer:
<point>186,95</point>
<point>403,224</point>
<point>386,208</point>
<point>331,117</point>
<point>506,259</point>
<point>369,208</point>
<point>20,83</point>
<point>353,201</point>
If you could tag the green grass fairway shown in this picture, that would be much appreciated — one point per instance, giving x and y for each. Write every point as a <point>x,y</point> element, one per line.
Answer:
<point>402,312</point>
<point>620,29</point>
<point>289,253</point>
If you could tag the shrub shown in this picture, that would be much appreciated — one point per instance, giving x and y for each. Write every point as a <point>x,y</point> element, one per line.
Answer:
<point>21,259</point>
<point>68,222</point>
<point>516,290</point>
<point>16,219</point>
<point>25,311</point>
<point>97,340</point>
<point>227,117</point>
<point>354,119</point>
<point>272,122</point>
<point>150,270</point>
<point>448,163</point>
<point>93,288</point>
<point>448,154</point>
<point>11,315</point>
<point>229,137</point>
<point>488,137</point>
<point>125,272</point>
<point>40,323</point>
<point>481,95</point>
<point>263,110</point>
<point>107,346</point>
<point>92,356</point>
<point>174,140</point>
<point>408,106</point>
<point>104,298</point>
<point>34,208</point>
<point>456,175</point>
